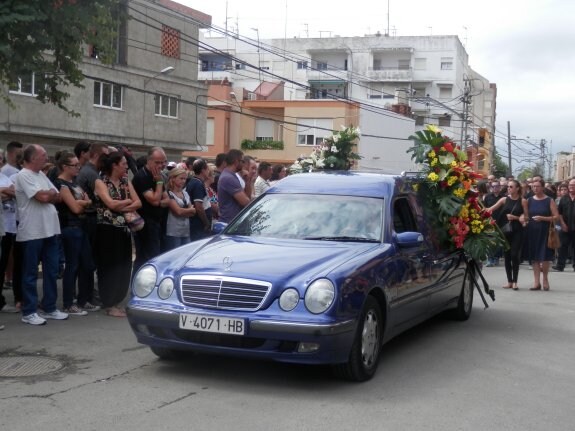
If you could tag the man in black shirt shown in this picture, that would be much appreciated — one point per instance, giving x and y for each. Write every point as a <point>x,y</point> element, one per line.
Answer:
<point>149,184</point>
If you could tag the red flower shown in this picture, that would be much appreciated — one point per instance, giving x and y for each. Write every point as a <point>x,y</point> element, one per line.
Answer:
<point>448,147</point>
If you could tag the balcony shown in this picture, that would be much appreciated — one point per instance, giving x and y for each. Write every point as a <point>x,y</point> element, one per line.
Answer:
<point>389,74</point>
<point>328,74</point>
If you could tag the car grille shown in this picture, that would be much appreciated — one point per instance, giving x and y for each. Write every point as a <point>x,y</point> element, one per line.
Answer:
<point>227,293</point>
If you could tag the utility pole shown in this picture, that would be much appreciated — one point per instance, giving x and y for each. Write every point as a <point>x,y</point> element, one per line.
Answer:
<point>466,99</point>
<point>543,155</point>
<point>509,171</point>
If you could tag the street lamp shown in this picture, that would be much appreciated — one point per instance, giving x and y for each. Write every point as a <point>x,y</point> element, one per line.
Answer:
<point>164,71</point>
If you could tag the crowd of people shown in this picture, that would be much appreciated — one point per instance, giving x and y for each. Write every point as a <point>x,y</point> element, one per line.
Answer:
<point>81,216</point>
<point>85,213</point>
<point>525,211</point>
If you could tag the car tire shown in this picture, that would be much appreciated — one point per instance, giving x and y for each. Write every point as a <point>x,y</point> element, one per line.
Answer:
<point>167,354</point>
<point>465,303</point>
<point>366,347</point>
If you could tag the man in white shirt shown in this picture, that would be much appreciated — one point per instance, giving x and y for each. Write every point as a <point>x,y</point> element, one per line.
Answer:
<point>37,232</point>
<point>262,181</point>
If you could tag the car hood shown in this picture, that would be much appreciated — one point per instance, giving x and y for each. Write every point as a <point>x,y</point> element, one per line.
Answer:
<point>268,258</point>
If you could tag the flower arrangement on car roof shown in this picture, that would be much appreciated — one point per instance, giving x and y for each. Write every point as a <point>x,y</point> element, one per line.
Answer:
<point>334,153</point>
<point>450,197</point>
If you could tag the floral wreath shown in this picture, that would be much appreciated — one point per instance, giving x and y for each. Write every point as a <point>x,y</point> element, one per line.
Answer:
<point>334,153</point>
<point>450,198</point>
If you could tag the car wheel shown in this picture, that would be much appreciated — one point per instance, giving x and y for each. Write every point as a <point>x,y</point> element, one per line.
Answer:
<point>167,354</point>
<point>465,302</point>
<point>366,348</point>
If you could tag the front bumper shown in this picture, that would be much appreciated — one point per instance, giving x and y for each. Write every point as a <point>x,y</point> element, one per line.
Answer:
<point>279,340</point>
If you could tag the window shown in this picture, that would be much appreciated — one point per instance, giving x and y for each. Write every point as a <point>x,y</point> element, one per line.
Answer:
<point>403,218</point>
<point>446,63</point>
<point>302,64</point>
<point>240,66</point>
<point>27,84</point>
<point>108,95</point>
<point>167,106</point>
<point>170,42</point>
<point>209,131</point>
<point>311,131</point>
<point>420,64</point>
<point>264,130</point>
<point>419,91</point>
<point>445,91</point>
<point>444,121</point>
<point>419,120</point>
<point>403,64</point>
<point>321,66</point>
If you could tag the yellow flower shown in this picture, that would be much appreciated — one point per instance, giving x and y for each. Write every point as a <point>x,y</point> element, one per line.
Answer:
<point>460,192</point>
<point>433,128</point>
<point>454,164</point>
<point>431,154</point>
<point>451,180</point>
<point>433,176</point>
<point>433,162</point>
<point>415,187</point>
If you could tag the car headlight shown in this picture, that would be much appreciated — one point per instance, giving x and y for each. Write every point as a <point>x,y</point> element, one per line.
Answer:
<point>166,288</point>
<point>144,281</point>
<point>289,299</point>
<point>319,295</point>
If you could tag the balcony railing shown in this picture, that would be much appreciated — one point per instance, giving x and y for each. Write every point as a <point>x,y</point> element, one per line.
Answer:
<point>389,74</point>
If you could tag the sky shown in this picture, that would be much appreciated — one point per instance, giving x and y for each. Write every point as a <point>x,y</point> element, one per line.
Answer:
<point>526,47</point>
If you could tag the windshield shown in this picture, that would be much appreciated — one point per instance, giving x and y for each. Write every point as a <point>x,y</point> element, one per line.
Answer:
<point>308,216</point>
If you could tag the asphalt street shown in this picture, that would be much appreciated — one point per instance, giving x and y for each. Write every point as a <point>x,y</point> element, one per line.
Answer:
<point>509,367</point>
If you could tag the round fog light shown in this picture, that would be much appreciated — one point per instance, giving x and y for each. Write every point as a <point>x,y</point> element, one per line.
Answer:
<point>166,288</point>
<point>289,299</point>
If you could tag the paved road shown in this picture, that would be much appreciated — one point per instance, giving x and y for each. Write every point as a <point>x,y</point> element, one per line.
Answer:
<point>510,367</point>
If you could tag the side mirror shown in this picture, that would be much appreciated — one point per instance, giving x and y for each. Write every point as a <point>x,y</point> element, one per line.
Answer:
<point>218,227</point>
<point>409,239</point>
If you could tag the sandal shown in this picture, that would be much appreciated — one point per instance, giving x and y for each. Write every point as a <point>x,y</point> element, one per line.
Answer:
<point>546,287</point>
<point>115,312</point>
<point>538,287</point>
<point>507,286</point>
<point>515,287</point>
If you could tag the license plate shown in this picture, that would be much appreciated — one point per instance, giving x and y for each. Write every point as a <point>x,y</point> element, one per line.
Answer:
<point>219,325</point>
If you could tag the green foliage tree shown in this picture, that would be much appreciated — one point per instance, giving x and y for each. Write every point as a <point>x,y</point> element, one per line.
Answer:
<point>500,168</point>
<point>48,38</point>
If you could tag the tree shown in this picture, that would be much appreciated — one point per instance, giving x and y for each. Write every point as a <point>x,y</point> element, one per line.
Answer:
<point>48,38</point>
<point>500,168</point>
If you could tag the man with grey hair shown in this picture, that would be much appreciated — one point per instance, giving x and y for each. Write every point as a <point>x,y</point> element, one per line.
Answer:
<point>38,229</point>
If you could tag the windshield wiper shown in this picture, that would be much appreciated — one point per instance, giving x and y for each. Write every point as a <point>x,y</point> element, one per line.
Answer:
<point>341,238</point>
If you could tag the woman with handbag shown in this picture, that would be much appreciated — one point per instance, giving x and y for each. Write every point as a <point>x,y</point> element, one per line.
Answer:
<point>542,212</point>
<point>115,196</point>
<point>513,207</point>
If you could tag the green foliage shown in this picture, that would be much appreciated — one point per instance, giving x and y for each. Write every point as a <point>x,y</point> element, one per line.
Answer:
<point>500,168</point>
<point>248,144</point>
<point>48,37</point>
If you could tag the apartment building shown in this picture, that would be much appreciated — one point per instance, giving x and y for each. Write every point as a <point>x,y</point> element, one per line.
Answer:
<point>399,83</point>
<point>144,99</point>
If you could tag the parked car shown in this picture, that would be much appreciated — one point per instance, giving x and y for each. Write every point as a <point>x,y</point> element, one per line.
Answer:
<point>324,268</point>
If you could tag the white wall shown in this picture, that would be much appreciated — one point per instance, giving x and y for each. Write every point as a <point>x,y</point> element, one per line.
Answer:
<point>386,154</point>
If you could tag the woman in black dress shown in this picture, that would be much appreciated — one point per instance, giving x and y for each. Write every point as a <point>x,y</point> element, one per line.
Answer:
<point>512,212</point>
